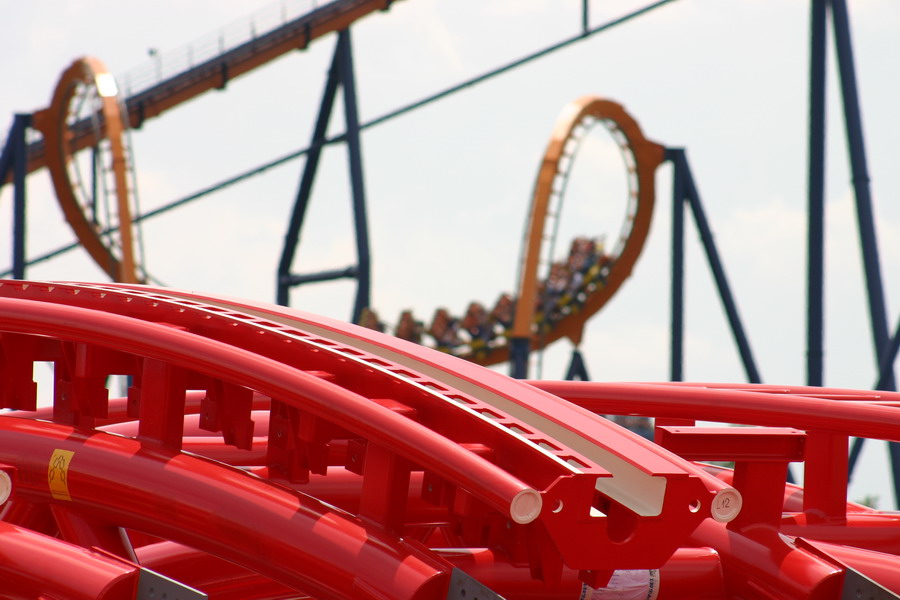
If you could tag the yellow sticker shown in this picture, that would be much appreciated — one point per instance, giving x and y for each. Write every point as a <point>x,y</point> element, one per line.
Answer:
<point>58,474</point>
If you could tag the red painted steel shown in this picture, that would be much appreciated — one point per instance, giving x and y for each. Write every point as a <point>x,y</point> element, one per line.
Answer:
<point>350,464</point>
<point>160,343</point>
<point>690,574</point>
<point>274,531</point>
<point>646,492</point>
<point>865,414</point>
<point>34,565</point>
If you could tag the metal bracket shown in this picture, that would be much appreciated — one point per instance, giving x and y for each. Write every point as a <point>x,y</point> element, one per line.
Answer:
<point>859,587</point>
<point>153,586</point>
<point>465,587</point>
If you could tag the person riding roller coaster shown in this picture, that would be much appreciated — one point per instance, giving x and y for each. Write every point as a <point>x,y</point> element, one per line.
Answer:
<point>564,292</point>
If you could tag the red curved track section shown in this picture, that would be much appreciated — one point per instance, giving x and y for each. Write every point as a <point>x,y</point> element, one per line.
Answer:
<point>262,452</point>
<point>495,459</point>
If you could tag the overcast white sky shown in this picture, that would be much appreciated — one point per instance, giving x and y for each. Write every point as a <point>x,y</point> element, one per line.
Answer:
<point>448,186</point>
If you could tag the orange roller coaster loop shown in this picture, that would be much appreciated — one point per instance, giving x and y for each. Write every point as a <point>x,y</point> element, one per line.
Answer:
<point>556,304</point>
<point>642,158</point>
<point>87,80</point>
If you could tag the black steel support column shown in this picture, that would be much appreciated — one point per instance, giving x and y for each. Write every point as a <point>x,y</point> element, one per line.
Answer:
<point>712,256</point>
<point>354,149</point>
<point>292,238</point>
<point>577,367</point>
<point>885,371</point>
<point>20,170</point>
<point>885,347</point>
<point>340,73</point>
<point>677,158</point>
<point>816,190</point>
<point>519,350</point>
<point>886,366</point>
<point>858,163</point>
<point>14,158</point>
<point>6,155</point>
<point>585,18</point>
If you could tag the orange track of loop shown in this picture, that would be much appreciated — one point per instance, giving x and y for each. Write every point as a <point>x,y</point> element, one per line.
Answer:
<point>525,320</point>
<point>648,155</point>
<point>52,123</point>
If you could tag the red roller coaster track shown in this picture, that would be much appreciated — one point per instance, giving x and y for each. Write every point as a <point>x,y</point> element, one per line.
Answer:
<point>261,452</point>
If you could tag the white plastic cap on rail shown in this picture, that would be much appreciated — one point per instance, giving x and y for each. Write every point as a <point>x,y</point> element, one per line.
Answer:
<point>526,506</point>
<point>5,487</point>
<point>726,505</point>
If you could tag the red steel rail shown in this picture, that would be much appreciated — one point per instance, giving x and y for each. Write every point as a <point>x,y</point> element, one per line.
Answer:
<point>266,453</point>
<point>500,464</point>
